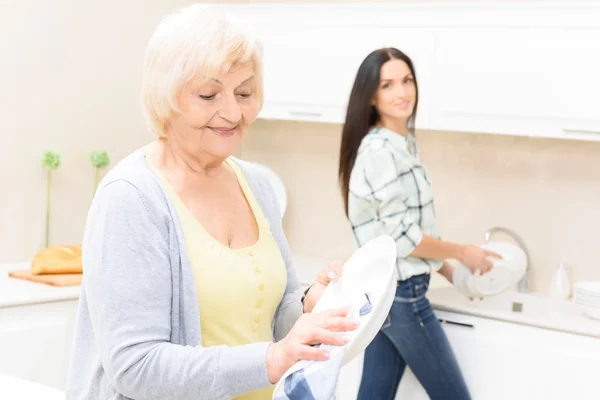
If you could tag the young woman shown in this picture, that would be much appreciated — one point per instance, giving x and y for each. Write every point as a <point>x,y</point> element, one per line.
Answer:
<point>387,190</point>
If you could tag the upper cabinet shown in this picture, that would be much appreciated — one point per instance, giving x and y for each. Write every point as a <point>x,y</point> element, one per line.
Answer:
<point>518,68</point>
<point>537,80</point>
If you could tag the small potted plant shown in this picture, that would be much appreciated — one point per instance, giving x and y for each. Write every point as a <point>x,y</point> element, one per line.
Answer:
<point>50,161</point>
<point>100,160</point>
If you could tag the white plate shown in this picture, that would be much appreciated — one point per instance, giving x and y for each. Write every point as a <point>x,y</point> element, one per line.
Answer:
<point>370,270</point>
<point>506,272</point>
<point>588,287</point>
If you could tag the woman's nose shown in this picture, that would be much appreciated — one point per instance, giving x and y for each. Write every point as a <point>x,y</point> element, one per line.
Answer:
<point>400,92</point>
<point>230,109</point>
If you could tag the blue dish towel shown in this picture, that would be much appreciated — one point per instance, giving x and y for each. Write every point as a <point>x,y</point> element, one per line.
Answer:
<point>317,380</point>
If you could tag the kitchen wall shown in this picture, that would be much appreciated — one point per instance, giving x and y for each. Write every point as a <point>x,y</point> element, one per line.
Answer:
<point>70,76</point>
<point>548,191</point>
<point>70,81</point>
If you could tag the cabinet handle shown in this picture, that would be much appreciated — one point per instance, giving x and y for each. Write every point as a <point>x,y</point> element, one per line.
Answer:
<point>465,325</point>
<point>307,113</point>
<point>593,131</point>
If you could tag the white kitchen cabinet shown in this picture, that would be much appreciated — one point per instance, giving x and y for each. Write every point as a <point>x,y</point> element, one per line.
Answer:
<point>502,360</point>
<point>312,55</point>
<point>35,341</point>
<point>308,75</point>
<point>537,81</point>
<point>518,68</point>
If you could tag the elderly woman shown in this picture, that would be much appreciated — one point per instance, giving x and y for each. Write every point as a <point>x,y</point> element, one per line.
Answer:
<point>189,292</point>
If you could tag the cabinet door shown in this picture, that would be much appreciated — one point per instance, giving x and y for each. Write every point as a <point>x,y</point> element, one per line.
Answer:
<point>312,54</point>
<point>499,360</point>
<point>309,71</point>
<point>537,81</point>
<point>573,367</point>
<point>34,342</point>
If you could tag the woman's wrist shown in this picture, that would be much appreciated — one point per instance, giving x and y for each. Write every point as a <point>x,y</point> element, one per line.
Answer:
<point>447,271</point>
<point>276,365</point>
<point>313,294</point>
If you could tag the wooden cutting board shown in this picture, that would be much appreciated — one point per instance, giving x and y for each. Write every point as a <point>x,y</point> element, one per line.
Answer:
<point>53,280</point>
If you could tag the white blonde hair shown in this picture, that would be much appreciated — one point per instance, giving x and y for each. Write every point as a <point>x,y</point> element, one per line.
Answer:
<point>200,41</point>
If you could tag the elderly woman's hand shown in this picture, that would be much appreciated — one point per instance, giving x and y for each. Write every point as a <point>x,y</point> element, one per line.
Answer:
<point>330,273</point>
<point>327,327</point>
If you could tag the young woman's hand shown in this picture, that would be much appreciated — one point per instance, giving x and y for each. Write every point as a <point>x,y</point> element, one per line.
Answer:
<point>476,258</point>
<point>330,273</point>
<point>327,327</point>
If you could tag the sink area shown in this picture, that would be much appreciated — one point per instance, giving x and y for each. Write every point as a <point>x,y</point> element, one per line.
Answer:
<point>522,308</point>
<point>521,303</point>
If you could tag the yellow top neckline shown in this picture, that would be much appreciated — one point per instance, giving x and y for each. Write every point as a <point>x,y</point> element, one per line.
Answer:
<point>248,194</point>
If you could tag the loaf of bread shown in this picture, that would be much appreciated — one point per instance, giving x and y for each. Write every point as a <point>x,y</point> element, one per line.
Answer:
<point>58,260</point>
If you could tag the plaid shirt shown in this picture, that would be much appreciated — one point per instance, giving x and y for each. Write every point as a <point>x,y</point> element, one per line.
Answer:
<point>390,193</point>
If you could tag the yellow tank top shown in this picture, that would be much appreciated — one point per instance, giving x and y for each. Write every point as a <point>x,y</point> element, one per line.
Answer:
<point>238,289</point>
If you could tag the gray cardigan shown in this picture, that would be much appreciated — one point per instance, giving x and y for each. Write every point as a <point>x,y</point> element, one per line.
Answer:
<point>138,323</point>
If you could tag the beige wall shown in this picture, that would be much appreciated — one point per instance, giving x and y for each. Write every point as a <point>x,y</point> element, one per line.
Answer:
<point>548,191</point>
<point>69,73</point>
<point>69,79</point>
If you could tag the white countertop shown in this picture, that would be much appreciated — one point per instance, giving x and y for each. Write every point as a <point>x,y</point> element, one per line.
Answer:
<point>18,292</point>
<point>537,310</point>
<point>20,389</point>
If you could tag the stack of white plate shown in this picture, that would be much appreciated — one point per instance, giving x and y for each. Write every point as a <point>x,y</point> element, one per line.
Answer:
<point>587,297</point>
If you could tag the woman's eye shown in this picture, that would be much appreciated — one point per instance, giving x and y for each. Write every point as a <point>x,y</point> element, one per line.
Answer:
<point>207,96</point>
<point>385,86</point>
<point>409,80</point>
<point>244,95</point>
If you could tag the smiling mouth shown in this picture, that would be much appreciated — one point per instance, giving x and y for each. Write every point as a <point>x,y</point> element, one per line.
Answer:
<point>403,106</point>
<point>223,131</point>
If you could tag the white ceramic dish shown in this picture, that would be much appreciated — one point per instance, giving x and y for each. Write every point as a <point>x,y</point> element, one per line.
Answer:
<point>505,273</point>
<point>588,287</point>
<point>370,270</point>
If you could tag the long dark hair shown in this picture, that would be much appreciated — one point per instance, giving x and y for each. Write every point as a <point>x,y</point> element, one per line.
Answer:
<point>361,115</point>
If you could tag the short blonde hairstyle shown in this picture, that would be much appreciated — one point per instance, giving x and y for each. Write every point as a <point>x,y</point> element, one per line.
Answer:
<point>200,41</point>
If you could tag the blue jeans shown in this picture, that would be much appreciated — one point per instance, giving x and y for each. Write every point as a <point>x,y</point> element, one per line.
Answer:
<point>411,335</point>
